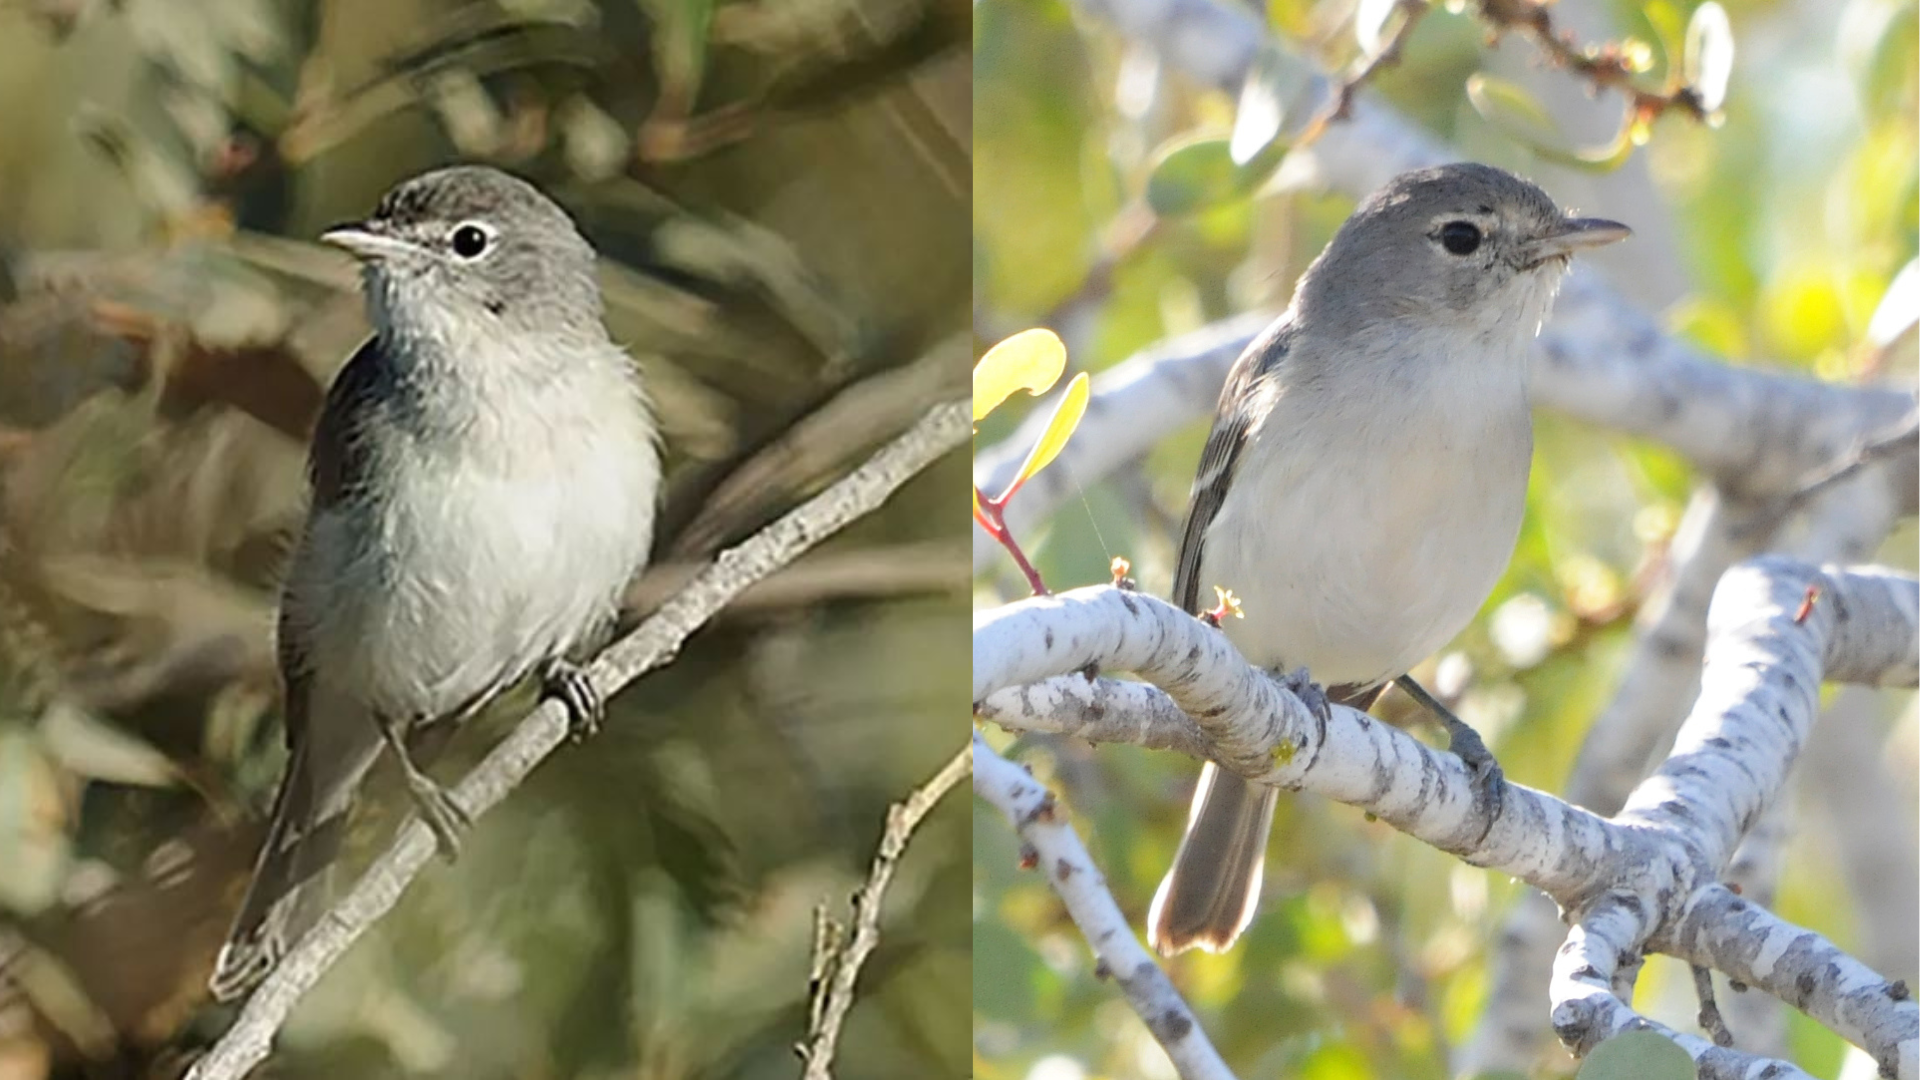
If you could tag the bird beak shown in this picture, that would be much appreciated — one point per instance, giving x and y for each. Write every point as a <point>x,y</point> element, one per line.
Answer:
<point>1576,234</point>
<point>364,243</point>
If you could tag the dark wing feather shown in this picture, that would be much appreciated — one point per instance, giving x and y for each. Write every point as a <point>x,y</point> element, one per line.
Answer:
<point>1231,421</point>
<point>336,463</point>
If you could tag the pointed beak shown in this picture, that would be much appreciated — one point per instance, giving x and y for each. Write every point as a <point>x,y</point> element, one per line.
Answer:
<point>1576,234</point>
<point>365,242</point>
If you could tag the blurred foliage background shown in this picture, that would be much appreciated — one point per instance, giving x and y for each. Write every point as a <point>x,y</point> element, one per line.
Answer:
<point>1775,237</point>
<point>779,191</point>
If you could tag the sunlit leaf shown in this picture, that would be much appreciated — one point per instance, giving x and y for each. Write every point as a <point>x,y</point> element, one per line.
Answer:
<point>1637,1055</point>
<point>89,747</point>
<point>34,819</point>
<point>1709,61</point>
<point>1030,360</point>
<point>596,143</point>
<point>1513,109</point>
<point>1257,119</point>
<point>1066,417</point>
<point>1899,307</point>
<point>1370,24</point>
<point>1193,174</point>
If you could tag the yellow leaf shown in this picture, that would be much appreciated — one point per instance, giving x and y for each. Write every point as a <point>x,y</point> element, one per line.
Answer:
<point>1066,417</point>
<point>1030,360</point>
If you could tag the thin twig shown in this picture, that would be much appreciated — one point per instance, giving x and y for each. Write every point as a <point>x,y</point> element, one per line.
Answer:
<point>837,958</point>
<point>1872,448</point>
<point>650,645</point>
<point>1340,105</point>
<point>1606,67</point>
<point>1710,1019</point>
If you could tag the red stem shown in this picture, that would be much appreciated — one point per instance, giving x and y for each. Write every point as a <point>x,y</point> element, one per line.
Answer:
<point>992,518</point>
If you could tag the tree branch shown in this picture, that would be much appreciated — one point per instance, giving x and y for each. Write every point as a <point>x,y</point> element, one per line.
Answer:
<point>1057,852</point>
<point>650,645</point>
<point>1769,651</point>
<point>1592,978</point>
<point>837,958</point>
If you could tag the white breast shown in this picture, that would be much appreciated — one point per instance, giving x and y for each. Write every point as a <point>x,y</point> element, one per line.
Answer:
<point>476,556</point>
<point>1364,530</point>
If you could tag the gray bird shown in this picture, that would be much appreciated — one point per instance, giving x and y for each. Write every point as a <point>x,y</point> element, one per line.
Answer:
<point>1364,481</point>
<point>484,476</point>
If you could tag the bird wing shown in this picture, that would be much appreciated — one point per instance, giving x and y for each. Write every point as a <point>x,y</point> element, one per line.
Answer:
<point>1233,418</point>
<point>324,765</point>
<point>336,463</point>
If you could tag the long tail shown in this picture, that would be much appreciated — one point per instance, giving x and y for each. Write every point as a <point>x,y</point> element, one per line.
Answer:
<point>289,890</point>
<point>1210,893</point>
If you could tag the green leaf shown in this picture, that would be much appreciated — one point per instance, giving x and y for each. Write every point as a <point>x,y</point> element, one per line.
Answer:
<point>1670,29</point>
<point>1637,1055</point>
<point>1513,109</point>
<point>1510,108</point>
<point>1192,174</point>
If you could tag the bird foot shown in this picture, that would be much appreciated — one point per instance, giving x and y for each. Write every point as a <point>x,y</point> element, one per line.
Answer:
<point>441,812</point>
<point>1489,782</point>
<point>1310,693</point>
<point>586,709</point>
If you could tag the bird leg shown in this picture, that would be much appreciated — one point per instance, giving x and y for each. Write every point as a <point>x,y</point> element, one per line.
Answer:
<point>434,803</point>
<point>1489,783</point>
<point>567,681</point>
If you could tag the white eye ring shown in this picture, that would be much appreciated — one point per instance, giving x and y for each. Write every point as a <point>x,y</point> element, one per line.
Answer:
<point>472,239</point>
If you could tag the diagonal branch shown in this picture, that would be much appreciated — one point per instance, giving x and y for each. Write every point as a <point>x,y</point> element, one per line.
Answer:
<point>652,644</point>
<point>837,960</point>
<point>1057,851</point>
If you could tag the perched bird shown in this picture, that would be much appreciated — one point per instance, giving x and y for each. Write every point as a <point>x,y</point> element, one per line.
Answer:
<point>1364,481</point>
<point>484,477</point>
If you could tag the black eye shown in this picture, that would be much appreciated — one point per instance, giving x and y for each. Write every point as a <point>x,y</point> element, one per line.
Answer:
<point>1460,237</point>
<point>469,241</point>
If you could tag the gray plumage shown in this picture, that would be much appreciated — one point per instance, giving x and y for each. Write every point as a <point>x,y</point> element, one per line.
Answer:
<point>484,477</point>
<point>1366,475</point>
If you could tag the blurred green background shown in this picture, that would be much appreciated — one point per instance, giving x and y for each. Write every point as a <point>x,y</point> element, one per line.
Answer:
<point>1774,237</point>
<point>779,192</point>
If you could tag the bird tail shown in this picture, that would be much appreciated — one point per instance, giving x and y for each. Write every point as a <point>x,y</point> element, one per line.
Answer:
<point>289,890</point>
<point>1208,896</point>
<point>1210,893</point>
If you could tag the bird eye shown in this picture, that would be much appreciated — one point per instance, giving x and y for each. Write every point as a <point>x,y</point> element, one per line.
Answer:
<point>470,240</point>
<point>1460,237</point>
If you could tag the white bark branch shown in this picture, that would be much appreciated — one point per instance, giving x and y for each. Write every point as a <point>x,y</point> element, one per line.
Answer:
<point>1629,880</point>
<point>1593,978</point>
<point>1728,932</point>
<point>1058,853</point>
<point>1659,682</point>
<point>650,645</point>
